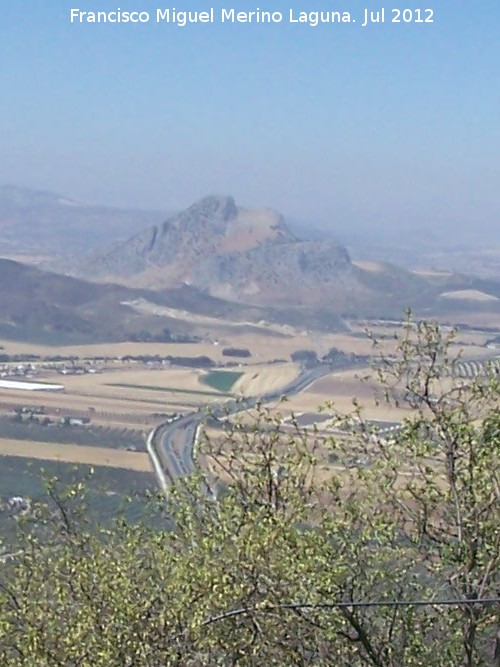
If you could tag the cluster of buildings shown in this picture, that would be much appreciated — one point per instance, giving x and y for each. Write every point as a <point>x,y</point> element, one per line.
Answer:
<point>20,370</point>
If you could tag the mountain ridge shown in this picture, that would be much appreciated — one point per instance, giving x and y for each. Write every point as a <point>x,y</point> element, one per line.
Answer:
<point>235,253</point>
<point>250,256</point>
<point>235,263</point>
<point>37,221</point>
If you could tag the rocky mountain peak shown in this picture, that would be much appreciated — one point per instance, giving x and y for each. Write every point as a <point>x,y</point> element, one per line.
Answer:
<point>240,254</point>
<point>214,211</point>
<point>217,206</point>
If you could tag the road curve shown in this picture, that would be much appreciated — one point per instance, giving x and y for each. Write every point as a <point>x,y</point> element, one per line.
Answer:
<point>171,445</point>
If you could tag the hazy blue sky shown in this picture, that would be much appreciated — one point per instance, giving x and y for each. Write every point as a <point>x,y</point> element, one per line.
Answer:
<point>339,124</point>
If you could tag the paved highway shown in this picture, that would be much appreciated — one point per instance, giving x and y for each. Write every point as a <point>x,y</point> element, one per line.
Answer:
<point>171,444</point>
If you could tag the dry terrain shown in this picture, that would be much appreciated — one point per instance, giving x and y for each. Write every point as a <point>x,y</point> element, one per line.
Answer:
<point>136,394</point>
<point>338,388</point>
<point>469,295</point>
<point>95,456</point>
<point>369,265</point>
<point>261,379</point>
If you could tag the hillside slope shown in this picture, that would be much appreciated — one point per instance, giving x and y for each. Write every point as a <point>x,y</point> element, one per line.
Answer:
<point>36,222</point>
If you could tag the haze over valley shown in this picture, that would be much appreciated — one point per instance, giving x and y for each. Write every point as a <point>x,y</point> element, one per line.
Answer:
<point>238,263</point>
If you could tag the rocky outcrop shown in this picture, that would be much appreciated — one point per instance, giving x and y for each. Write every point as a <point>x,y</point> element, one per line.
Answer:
<point>251,258</point>
<point>300,272</point>
<point>211,226</point>
<point>239,254</point>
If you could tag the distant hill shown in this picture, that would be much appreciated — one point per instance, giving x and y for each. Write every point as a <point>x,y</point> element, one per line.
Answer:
<point>50,308</point>
<point>215,259</point>
<point>466,250</point>
<point>53,231</point>
<point>44,307</point>
<point>250,256</point>
<point>43,223</point>
<point>168,253</point>
<point>243,255</point>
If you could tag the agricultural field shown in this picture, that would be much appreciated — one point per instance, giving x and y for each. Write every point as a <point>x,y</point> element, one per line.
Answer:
<point>339,388</point>
<point>77,454</point>
<point>92,435</point>
<point>264,378</point>
<point>132,387</point>
<point>223,381</point>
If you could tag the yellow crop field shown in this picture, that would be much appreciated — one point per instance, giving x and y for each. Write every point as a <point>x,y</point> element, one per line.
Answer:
<point>165,378</point>
<point>340,388</point>
<point>97,456</point>
<point>263,378</point>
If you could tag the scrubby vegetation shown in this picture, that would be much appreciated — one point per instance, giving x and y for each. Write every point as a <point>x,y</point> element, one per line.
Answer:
<point>391,558</point>
<point>236,352</point>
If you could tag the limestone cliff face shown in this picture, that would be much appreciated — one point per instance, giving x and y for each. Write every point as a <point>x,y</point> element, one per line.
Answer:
<point>299,272</point>
<point>239,254</point>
